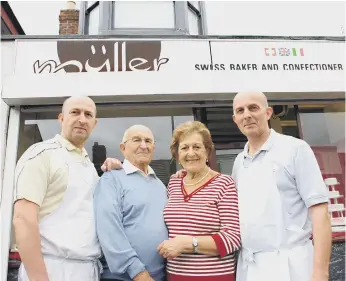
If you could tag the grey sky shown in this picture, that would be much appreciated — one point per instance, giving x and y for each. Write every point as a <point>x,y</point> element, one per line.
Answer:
<point>224,18</point>
<point>39,17</point>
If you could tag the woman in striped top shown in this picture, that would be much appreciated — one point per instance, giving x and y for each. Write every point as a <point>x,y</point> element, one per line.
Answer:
<point>201,214</point>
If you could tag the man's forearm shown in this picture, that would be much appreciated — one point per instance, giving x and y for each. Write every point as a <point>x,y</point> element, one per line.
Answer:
<point>322,235</point>
<point>29,246</point>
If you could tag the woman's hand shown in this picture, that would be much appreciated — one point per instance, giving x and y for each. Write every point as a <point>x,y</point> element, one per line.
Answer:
<point>172,248</point>
<point>181,173</point>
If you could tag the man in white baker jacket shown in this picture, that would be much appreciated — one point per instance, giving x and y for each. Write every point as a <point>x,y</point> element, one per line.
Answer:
<point>53,209</point>
<point>282,200</point>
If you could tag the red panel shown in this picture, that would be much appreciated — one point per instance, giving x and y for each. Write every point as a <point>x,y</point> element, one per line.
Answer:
<point>8,21</point>
<point>332,165</point>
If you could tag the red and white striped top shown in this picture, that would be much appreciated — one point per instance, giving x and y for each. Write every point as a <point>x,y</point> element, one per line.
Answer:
<point>211,210</point>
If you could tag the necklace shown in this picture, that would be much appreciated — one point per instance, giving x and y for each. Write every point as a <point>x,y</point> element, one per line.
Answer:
<point>189,184</point>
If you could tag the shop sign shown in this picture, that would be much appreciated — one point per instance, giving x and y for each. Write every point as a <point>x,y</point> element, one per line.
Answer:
<point>279,56</point>
<point>103,56</point>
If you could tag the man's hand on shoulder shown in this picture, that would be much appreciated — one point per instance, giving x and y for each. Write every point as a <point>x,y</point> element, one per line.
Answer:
<point>143,276</point>
<point>111,164</point>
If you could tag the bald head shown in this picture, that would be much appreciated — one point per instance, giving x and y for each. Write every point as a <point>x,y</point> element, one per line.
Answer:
<point>77,119</point>
<point>139,147</point>
<point>134,129</point>
<point>251,114</point>
<point>247,96</point>
<point>71,102</point>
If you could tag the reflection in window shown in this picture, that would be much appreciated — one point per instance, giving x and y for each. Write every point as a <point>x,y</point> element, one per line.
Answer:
<point>92,15</point>
<point>193,23</point>
<point>146,14</point>
<point>90,3</point>
<point>323,128</point>
<point>195,4</point>
<point>225,160</point>
<point>284,120</point>
<point>105,140</point>
<point>93,25</point>
<point>181,119</point>
<point>194,18</point>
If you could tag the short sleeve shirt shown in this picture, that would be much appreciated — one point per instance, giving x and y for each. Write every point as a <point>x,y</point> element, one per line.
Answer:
<point>42,173</point>
<point>298,178</point>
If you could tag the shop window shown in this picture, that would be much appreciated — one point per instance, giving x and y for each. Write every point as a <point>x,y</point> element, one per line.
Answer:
<point>105,139</point>
<point>323,128</point>
<point>147,14</point>
<point>284,120</point>
<point>225,160</point>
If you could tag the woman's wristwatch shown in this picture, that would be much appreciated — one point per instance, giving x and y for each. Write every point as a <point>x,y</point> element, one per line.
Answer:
<point>195,245</point>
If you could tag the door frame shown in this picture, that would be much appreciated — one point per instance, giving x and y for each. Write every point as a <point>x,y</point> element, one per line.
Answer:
<point>7,198</point>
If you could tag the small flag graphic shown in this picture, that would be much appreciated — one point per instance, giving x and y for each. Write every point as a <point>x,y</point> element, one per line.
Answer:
<point>284,52</point>
<point>294,52</point>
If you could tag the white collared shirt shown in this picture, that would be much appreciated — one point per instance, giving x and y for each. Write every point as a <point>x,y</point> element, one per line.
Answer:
<point>129,168</point>
<point>42,173</point>
<point>298,178</point>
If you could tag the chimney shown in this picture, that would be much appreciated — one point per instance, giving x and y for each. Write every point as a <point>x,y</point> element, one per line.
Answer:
<point>69,19</point>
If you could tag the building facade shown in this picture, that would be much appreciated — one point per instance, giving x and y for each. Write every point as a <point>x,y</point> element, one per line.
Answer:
<point>162,63</point>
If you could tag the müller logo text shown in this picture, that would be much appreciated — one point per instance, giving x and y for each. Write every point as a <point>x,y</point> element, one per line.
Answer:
<point>104,56</point>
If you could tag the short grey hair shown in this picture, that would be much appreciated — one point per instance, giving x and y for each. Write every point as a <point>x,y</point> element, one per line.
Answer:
<point>76,97</point>
<point>135,128</point>
<point>264,97</point>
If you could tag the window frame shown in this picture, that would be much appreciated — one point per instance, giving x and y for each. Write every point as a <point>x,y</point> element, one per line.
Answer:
<point>84,16</point>
<point>196,12</point>
<point>107,13</point>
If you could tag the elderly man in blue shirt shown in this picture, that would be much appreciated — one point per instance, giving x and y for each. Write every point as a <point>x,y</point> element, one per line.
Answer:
<point>129,207</point>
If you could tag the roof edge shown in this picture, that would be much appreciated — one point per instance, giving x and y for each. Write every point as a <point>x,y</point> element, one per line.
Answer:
<point>206,37</point>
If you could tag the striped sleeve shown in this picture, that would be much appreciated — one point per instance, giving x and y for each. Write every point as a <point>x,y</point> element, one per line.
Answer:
<point>169,185</point>
<point>228,238</point>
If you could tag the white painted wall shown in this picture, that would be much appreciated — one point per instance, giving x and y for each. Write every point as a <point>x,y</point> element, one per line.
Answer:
<point>280,18</point>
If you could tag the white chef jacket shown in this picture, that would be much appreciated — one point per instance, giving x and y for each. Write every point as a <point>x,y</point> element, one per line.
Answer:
<point>298,178</point>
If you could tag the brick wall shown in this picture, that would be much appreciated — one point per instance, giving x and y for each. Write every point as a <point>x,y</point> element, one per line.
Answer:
<point>68,20</point>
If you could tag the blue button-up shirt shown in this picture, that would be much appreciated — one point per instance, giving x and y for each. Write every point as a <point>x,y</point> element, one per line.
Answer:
<point>129,221</point>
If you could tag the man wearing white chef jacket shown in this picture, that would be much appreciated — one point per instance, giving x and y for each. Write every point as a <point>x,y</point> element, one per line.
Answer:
<point>282,200</point>
<point>53,209</point>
